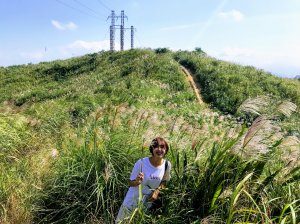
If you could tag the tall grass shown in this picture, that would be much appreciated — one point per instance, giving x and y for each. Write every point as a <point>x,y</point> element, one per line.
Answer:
<point>215,184</point>
<point>67,148</point>
<point>225,186</point>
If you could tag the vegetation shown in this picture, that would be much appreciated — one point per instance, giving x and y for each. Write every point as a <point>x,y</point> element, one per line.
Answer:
<point>71,130</point>
<point>226,85</point>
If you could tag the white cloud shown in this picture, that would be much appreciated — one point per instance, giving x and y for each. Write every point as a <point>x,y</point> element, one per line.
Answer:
<point>76,48</point>
<point>91,46</point>
<point>61,26</point>
<point>282,62</point>
<point>36,55</point>
<point>231,52</point>
<point>244,56</point>
<point>57,25</point>
<point>71,26</point>
<point>81,47</point>
<point>233,14</point>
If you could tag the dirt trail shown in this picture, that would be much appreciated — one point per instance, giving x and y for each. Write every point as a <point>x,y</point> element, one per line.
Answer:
<point>194,85</point>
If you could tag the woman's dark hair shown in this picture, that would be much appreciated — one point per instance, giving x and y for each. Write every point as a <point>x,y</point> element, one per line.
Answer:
<point>156,142</point>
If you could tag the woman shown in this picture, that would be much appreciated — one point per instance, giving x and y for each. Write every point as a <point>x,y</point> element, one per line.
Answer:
<point>152,173</point>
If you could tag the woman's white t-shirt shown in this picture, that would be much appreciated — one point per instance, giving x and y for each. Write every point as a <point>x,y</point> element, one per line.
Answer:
<point>153,176</point>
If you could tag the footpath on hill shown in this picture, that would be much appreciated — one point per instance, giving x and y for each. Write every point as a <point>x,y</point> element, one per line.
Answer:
<point>194,85</point>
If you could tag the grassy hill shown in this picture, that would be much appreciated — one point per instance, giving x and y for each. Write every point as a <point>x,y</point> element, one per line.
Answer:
<point>71,130</point>
<point>226,86</point>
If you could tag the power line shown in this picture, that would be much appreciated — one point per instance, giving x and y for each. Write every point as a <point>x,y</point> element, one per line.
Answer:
<point>101,3</point>
<point>138,40</point>
<point>83,5</point>
<point>76,9</point>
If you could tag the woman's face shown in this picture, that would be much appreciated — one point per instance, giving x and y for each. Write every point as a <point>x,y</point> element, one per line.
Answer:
<point>159,151</point>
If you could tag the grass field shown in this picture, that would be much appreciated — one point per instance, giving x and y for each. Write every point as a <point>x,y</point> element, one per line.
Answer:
<point>71,130</point>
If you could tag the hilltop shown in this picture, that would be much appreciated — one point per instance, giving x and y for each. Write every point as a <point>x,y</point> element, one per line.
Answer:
<point>71,130</point>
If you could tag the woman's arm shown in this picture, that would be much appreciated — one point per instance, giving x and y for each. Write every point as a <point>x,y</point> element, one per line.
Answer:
<point>156,192</point>
<point>137,181</point>
<point>163,183</point>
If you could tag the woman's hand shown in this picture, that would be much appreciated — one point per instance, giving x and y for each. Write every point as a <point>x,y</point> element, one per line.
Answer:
<point>140,177</point>
<point>154,195</point>
<point>137,181</point>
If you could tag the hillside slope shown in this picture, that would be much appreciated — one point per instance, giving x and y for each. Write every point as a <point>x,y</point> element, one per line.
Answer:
<point>43,105</point>
<point>226,85</point>
<point>70,131</point>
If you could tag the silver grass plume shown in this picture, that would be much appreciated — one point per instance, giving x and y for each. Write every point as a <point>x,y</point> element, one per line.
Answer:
<point>256,126</point>
<point>287,108</point>
<point>259,138</point>
<point>290,150</point>
<point>265,105</point>
<point>264,130</point>
<point>255,105</point>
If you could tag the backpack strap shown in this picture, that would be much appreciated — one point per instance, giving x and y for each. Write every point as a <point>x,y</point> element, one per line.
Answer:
<point>166,167</point>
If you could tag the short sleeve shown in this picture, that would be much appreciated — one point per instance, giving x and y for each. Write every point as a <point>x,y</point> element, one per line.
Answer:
<point>167,175</point>
<point>136,169</point>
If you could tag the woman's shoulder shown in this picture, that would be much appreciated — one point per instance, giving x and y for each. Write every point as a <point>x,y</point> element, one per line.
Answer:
<point>145,160</point>
<point>142,160</point>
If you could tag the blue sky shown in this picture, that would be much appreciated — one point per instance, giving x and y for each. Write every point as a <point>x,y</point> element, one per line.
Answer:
<point>261,33</point>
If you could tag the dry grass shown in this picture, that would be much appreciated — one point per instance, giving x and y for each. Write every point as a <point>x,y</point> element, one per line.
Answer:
<point>16,212</point>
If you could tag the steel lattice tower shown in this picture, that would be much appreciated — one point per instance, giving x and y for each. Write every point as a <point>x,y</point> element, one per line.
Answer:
<point>112,30</point>
<point>122,30</point>
<point>132,37</point>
